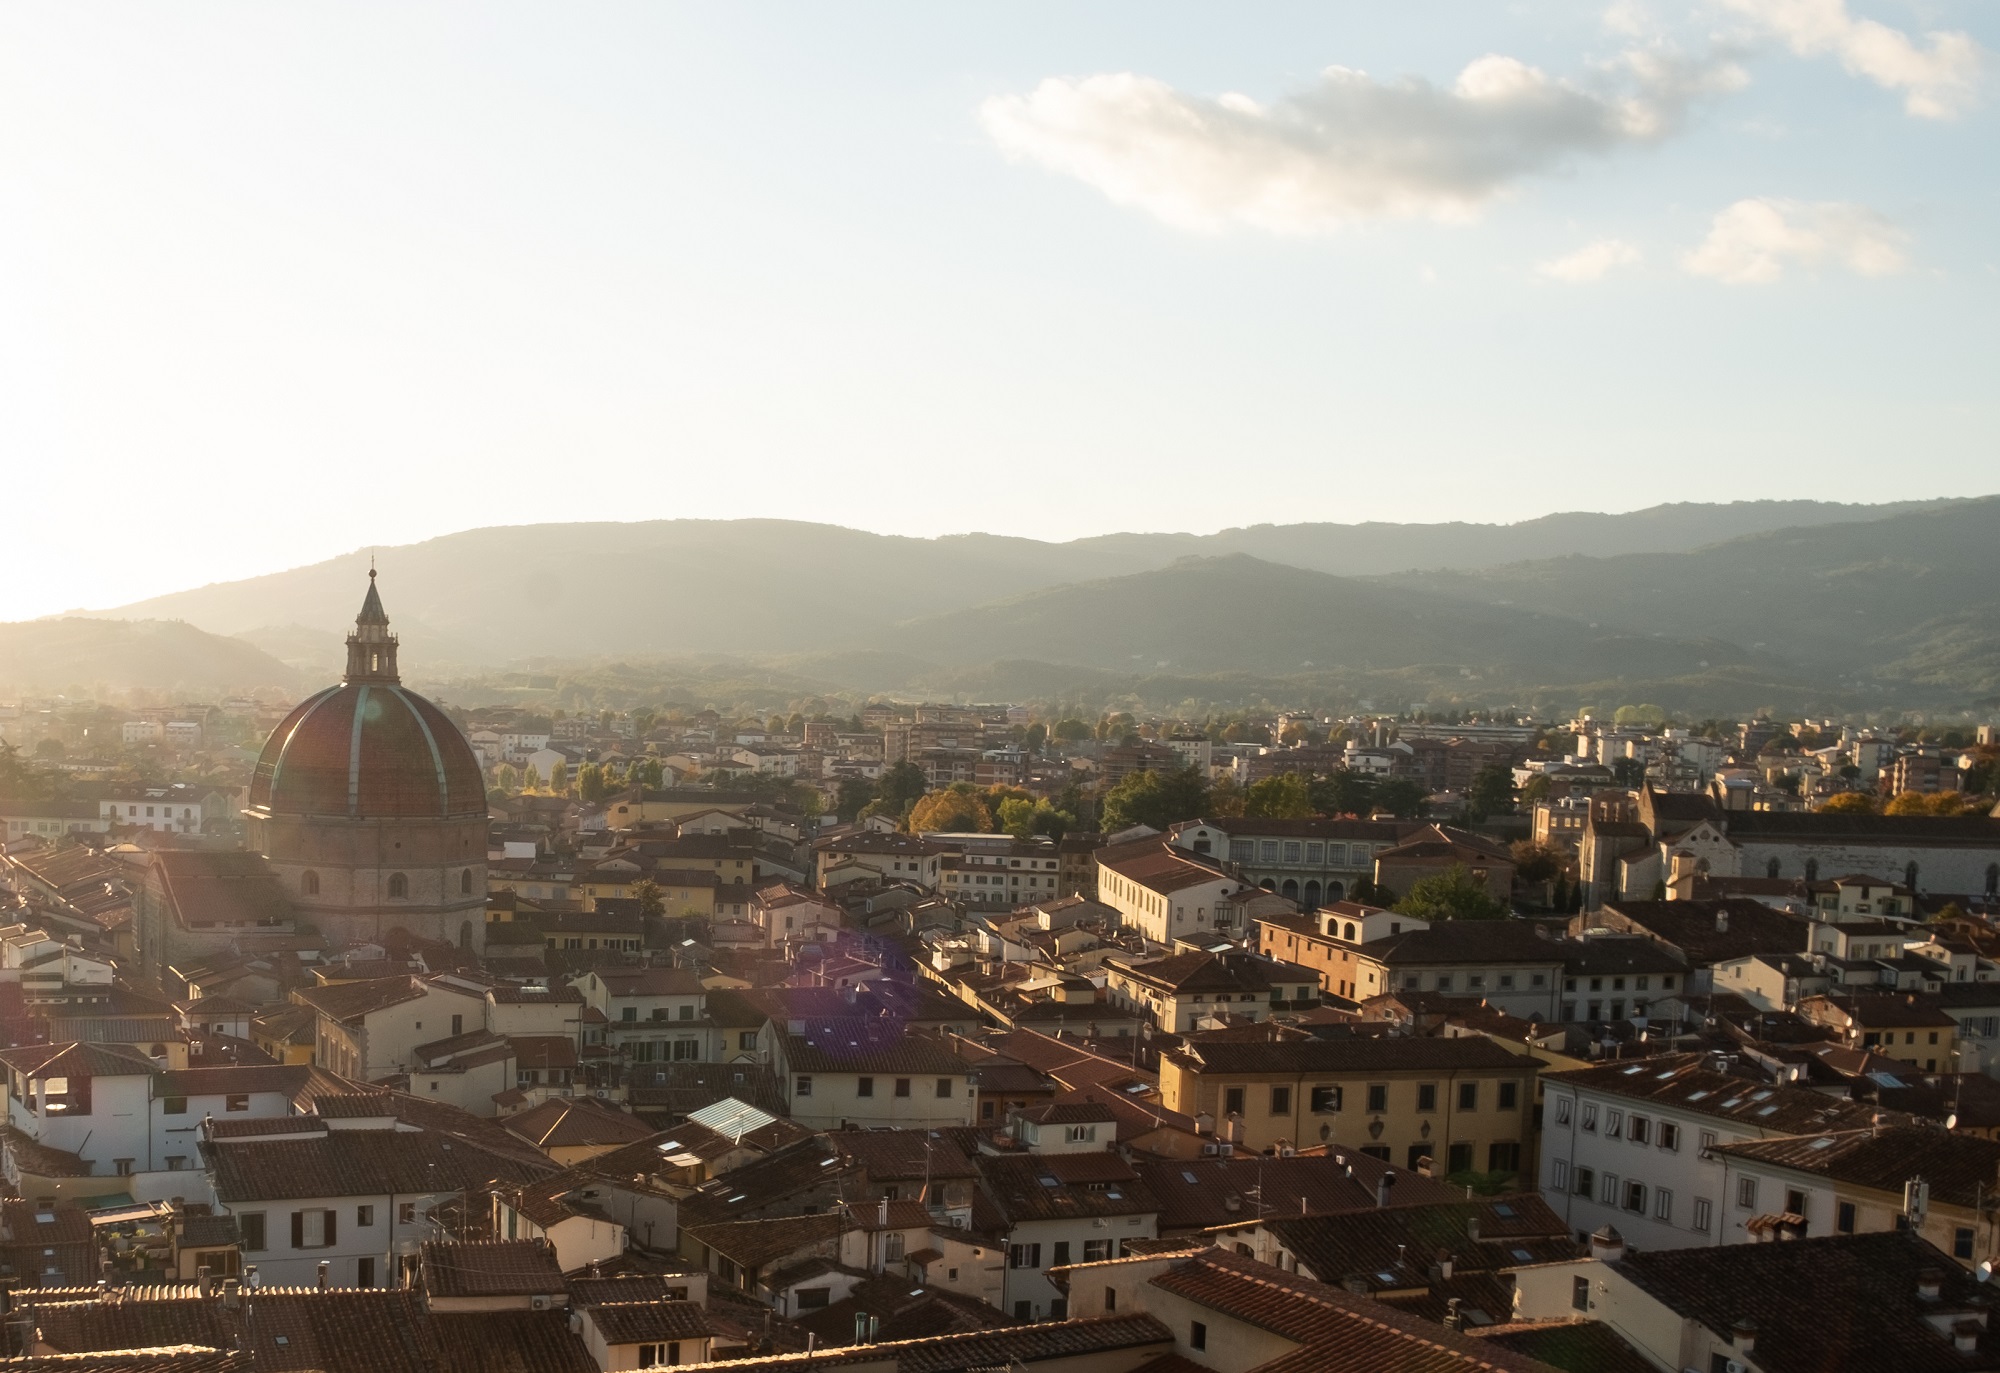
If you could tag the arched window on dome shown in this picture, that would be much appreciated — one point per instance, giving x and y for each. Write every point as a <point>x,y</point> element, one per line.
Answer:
<point>399,885</point>
<point>465,882</point>
<point>309,883</point>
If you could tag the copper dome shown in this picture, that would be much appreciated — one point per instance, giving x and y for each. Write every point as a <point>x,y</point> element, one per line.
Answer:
<point>369,748</point>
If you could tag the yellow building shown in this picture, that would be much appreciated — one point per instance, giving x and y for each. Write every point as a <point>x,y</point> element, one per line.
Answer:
<point>1464,1104</point>
<point>1904,1026</point>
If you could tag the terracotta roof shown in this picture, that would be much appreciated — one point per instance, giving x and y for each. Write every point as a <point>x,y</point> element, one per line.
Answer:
<point>1158,866</point>
<point>1860,1312</point>
<point>869,1046</point>
<point>490,1268</point>
<point>1062,1186</point>
<point>753,1243</point>
<point>1336,1331</point>
<point>903,1155</point>
<point>343,1331</point>
<point>1356,1054</point>
<point>30,1155</point>
<point>179,1358</point>
<point>1195,1194</point>
<point>1960,1169</point>
<point>648,981</point>
<point>625,1287</point>
<point>1027,1344</point>
<point>509,1342</point>
<point>1578,1346</point>
<point>632,1322</point>
<point>1393,1246</point>
<point>347,1000</point>
<point>348,1163</point>
<point>573,1122</point>
<point>1683,1081</point>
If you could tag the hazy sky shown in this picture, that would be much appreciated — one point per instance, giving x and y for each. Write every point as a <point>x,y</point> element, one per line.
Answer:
<point>281,280</point>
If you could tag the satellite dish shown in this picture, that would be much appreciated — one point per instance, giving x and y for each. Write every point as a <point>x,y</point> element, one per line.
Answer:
<point>1951,1121</point>
<point>1985,1271</point>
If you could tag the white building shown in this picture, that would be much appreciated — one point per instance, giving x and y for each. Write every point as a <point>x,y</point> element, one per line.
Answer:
<point>1631,1145</point>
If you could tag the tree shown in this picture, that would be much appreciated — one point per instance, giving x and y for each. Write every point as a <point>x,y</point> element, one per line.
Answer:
<point>531,780</point>
<point>591,783</point>
<point>1492,791</point>
<point>851,795</point>
<point>951,812</point>
<point>1344,793</point>
<point>1628,771</point>
<point>1454,894</point>
<point>1402,797</point>
<point>1158,799</point>
<point>650,774</point>
<point>1284,797</point>
<point>1537,788</point>
<point>1849,803</point>
<point>1016,817</point>
<point>1537,862</point>
<point>1037,735</point>
<point>652,901</point>
<point>508,777</point>
<point>1071,731</point>
<point>901,784</point>
<point>559,779</point>
<point>1916,803</point>
<point>1224,798</point>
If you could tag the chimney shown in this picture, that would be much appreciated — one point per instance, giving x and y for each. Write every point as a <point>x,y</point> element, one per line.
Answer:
<point>1607,1245</point>
<point>882,1214</point>
<point>1743,1335</point>
<point>1382,1186</point>
<point>1445,1263</point>
<point>1472,1229</point>
<point>325,1272</point>
<point>1930,1284</point>
<point>1965,1336</point>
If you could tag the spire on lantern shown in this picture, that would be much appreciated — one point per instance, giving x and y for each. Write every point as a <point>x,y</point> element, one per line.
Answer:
<point>371,648</point>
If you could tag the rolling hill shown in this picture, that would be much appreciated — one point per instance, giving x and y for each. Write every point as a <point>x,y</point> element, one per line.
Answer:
<point>87,657</point>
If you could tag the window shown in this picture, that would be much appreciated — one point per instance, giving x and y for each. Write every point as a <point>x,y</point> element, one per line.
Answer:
<point>803,1086</point>
<point>1096,1251</point>
<point>814,1298</point>
<point>1635,1198</point>
<point>746,1039</point>
<point>465,883</point>
<point>1427,1096</point>
<point>1707,1142</point>
<point>1642,1130</point>
<point>1746,1193</point>
<point>628,1014</point>
<point>1024,1256</point>
<point>1586,1181</point>
<point>1281,1101</point>
<point>660,1355</point>
<point>1670,1136</point>
<point>1506,982</point>
<point>236,1102</point>
<point>1559,1175</point>
<point>1061,1253</point>
<point>864,1086</point>
<point>1378,1097</point>
<point>1325,1100</point>
<point>406,1213</point>
<point>1795,1203</point>
<point>1589,1121</point>
<point>1562,1110</point>
<point>1197,1335</point>
<point>124,1166</point>
<point>1607,1189</point>
<point>1843,1218</point>
<point>1503,1158</point>
<point>1579,1294</point>
<point>176,1162</point>
<point>943,1088</point>
<point>251,1226</point>
<point>173,1105</point>
<point>902,1086</point>
<point>364,1215</point>
<point>1024,1311</point>
<point>364,1271</point>
<point>1079,1134</point>
<point>313,1229</point>
<point>1468,1096</point>
<point>309,883</point>
<point>399,886</point>
<point>1961,1243</point>
<point>687,1012</point>
<point>1232,1101</point>
<point>1614,1124</point>
<point>1459,1158</point>
<point>1110,1299</point>
<point>1702,1206</point>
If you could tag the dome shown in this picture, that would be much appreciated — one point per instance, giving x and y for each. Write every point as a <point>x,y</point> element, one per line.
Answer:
<point>369,748</point>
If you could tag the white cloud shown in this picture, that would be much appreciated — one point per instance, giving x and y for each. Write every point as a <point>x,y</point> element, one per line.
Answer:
<point>1753,240</point>
<point>1938,80</point>
<point>1592,261</point>
<point>1350,148</point>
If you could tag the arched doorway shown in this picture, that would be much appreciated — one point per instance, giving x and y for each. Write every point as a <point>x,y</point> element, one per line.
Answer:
<point>1312,894</point>
<point>1290,891</point>
<point>1335,891</point>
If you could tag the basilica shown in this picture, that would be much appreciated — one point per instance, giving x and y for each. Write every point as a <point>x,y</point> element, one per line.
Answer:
<point>370,806</point>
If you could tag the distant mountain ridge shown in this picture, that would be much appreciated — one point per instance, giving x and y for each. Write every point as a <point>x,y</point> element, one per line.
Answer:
<point>1717,607</point>
<point>88,655</point>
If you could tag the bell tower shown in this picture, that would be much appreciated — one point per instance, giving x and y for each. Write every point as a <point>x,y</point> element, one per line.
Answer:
<point>371,648</point>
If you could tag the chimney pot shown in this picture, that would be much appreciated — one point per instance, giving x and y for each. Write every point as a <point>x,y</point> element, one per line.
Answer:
<point>1930,1284</point>
<point>1743,1335</point>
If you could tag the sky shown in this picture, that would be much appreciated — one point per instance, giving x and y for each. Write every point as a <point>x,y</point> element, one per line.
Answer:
<point>282,281</point>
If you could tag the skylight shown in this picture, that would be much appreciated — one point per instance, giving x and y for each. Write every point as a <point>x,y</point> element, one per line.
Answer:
<point>1048,1181</point>
<point>1504,1210</point>
<point>1822,1143</point>
<point>1770,1110</point>
<point>1192,1181</point>
<point>1522,1255</point>
<point>1640,1068</point>
<point>1732,1103</point>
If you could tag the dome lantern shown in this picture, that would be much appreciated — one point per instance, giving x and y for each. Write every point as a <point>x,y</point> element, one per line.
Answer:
<point>371,648</point>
